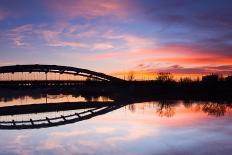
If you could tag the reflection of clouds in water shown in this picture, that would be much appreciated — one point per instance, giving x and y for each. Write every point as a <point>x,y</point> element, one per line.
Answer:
<point>51,145</point>
<point>93,139</point>
<point>189,131</point>
<point>134,133</point>
<point>105,130</point>
<point>60,134</point>
<point>20,139</point>
<point>202,138</point>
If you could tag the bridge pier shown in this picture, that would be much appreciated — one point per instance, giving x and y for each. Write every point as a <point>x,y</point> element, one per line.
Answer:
<point>49,122</point>
<point>32,123</point>
<point>63,117</point>
<point>13,121</point>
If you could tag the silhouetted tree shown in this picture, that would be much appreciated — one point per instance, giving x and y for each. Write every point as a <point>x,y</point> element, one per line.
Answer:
<point>186,80</point>
<point>214,109</point>
<point>166,109</point>
<point>162,76</point>
<point>131,76</point>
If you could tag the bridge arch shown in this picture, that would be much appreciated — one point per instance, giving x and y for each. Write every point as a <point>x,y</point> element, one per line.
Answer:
<point>59,69</point>
<point>46,121</point>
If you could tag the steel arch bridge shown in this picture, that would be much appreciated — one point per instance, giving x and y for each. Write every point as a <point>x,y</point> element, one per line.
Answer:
<point>58,120</point>
<point>60,70</point>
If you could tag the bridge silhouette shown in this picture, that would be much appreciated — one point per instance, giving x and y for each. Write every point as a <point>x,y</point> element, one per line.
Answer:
<point>88,75</point>
<point>93,110</point>
<point>90,108</point>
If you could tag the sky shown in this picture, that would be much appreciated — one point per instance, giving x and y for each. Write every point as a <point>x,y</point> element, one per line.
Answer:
<point>177,36</point>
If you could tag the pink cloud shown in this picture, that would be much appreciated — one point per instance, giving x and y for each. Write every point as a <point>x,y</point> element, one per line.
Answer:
<point>213,60</point>
<point>19,34</point>
<point>176,55</point>
<point>176,69</point>
<point>148,53</point>
<point>68,44</point>
<point>175,59</point>
<point>135,41</point>
<point>132,41</point>
<point>87,9</point>
<point>103,46</point>
<point>53,38</point>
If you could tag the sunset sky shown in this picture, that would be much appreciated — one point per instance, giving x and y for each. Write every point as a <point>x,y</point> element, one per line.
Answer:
<point>179,36</point>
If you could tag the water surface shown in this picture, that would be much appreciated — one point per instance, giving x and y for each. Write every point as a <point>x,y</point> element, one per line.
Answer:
<point>158,127</point>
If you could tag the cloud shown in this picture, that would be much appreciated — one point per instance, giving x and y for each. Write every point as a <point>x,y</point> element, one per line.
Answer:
<point>135,41</point>
<point>53,38</point>
<point>193,60</point>
<point>18,40</point>
<point>19,34</point>
<point>87,36</point>
<point>177,59</point>
<point>67,44</point>
<point>30,34</point>
<point>178,69</point>
<point>60,134</point>
<point>153,53</point>
<point>103,46</point>
<point>132,41</point>
<point>105,130</point>
<point>204,25</point>
<point>87,9</point>
<point>209,14</point>
<point>140,133</point>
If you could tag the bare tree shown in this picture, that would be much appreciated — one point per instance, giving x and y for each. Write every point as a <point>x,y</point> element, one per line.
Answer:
<point>162,76</point>
<point>131,76</point>
<point>186,80</point>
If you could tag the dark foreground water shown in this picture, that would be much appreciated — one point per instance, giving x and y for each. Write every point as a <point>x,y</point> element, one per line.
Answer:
<point>159,127</point>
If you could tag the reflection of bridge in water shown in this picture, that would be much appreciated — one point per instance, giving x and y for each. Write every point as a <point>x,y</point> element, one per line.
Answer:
<point>40,115</point>
<point>41,75</point>
<point>44,115</point>
<point>89,111</point>
<point>75,111</point>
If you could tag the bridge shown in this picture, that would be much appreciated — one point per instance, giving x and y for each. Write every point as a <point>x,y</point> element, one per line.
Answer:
<point>88,110</point>
<point>36,74</point>
<point>50,114</point>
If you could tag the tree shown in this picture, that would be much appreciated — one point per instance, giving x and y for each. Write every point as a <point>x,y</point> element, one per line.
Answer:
<point>186,80</point>
<point>162,76</point>
<point>130,76</point>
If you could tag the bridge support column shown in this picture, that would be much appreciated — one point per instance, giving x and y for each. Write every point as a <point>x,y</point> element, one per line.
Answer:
<point>13,121</point>
<point>32,123</point>
<point>77,115</point>
<point>48,120</point>
<point>63,117</point>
